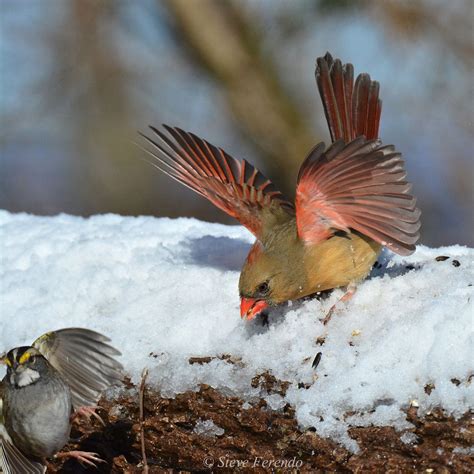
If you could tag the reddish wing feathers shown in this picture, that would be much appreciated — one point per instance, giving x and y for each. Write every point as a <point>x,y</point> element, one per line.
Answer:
<point>358,186</point>
<point>351,110</point>
<point>234,186</point>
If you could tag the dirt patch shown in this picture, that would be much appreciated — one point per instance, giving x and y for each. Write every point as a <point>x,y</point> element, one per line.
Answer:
<point>244,437</point>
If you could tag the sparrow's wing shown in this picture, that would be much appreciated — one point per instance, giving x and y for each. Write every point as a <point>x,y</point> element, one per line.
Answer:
<point>351,109</point>
<point>234,186</point>
<point>84,359</point>
<point>358,186</point>
<point>12,460</point>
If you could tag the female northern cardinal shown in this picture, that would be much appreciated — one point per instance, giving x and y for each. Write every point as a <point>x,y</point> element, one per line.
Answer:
<point>351,199</point>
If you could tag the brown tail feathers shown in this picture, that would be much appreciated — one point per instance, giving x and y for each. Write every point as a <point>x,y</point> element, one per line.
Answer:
<point>351,109</point>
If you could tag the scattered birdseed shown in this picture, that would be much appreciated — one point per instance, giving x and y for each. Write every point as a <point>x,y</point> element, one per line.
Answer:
<point>414,403</point>
<point>441,258</point>
<point>317,360</point>
<point>356,332</point>
<point>456,263</point>
<point>429,388</point>
<point>320,340</point>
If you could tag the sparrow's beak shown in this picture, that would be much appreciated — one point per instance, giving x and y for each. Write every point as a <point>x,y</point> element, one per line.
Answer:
<point>251,307</point>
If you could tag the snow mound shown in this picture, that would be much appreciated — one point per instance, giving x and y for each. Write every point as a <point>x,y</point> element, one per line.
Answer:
<point>166,290</point>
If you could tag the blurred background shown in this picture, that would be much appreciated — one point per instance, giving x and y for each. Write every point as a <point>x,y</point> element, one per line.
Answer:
<point>78,78</point>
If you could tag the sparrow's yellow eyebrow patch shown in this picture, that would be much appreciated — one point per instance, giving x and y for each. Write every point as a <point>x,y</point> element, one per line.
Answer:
<point>24,357</point>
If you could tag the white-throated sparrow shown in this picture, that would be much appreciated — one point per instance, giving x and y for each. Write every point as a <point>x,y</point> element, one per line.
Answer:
<point>61,372</point>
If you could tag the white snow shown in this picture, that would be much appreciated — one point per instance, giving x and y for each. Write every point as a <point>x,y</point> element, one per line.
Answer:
<point>467,451</point>
<point>208,428</point>
<point>409,438</point>
<point>166,290</point>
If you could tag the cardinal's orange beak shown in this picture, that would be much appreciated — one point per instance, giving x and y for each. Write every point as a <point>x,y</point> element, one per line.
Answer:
<point>251,307</point>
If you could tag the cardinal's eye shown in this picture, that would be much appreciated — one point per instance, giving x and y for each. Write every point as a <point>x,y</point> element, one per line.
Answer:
<point>263,288</point>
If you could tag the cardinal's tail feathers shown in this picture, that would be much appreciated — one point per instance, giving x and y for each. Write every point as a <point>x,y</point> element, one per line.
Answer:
<point>351,109</point>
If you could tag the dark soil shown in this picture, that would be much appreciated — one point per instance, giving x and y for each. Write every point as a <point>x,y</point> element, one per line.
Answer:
<point>257,439</point>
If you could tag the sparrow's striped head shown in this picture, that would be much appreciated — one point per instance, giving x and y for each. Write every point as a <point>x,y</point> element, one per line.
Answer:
<point>24,365</point>
<point>21,356</point>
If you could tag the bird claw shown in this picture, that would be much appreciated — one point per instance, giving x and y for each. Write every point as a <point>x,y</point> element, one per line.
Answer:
<point>88,412</point>
<point>329,314</point>
<point>351,289</point>
<point>83,457</point>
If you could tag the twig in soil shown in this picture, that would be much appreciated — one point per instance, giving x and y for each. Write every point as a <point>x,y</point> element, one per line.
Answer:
<point>142,422</point>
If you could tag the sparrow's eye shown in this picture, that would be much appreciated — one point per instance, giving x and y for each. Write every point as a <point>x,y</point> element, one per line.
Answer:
<point>263,288</point>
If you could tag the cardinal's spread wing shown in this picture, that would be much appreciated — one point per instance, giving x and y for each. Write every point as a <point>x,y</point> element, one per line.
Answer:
<point>351,109</point>
<point>234,186</point>
<point>84,359</point>
<point>12,460</point>
<point>358,186</point>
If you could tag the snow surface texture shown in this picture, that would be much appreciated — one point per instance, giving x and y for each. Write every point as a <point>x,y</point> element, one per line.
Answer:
<point>208,428</point>
<point>166,290</point>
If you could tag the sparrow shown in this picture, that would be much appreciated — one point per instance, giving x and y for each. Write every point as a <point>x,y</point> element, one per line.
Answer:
<point>45,383</point>
<point>351,199</point>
